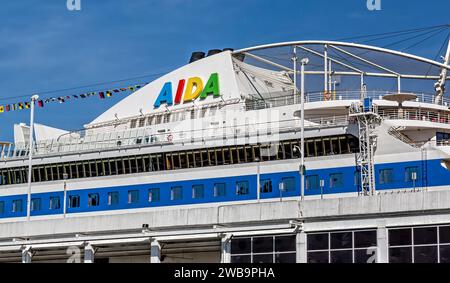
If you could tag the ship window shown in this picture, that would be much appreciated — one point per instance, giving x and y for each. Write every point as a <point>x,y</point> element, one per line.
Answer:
<point>141,122</point>
<point>113,198</point>
<point>74,201</point>
<point>411,172</point>
<point>312,182</point>
<point>17,206</point>
<point>93,200</point>
<point>158,119</point>
<point>242,188</point>
<point>133,197</point>
<point>288,184</point>
<point>2,207</point>
<point>35,204</point>
<point>150,120</point>
<point>266,186</point>
<point>220,190</point>
<point>193,114</point>
<point>154,195</point>
<point>176,193</point>
<point>386,176</point>
<point>336,180</point>
<point>166,118</point>
<point>55,203</point>
<point>198,191</point>
<point>133,124</point>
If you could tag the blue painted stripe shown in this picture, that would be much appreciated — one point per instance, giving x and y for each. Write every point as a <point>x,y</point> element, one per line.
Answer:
<point>437,176</point>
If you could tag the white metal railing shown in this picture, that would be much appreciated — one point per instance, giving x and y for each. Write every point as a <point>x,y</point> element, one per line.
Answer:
<point>80,142</point>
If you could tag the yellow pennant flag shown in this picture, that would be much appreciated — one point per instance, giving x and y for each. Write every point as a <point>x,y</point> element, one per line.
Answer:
<point>2,108</point>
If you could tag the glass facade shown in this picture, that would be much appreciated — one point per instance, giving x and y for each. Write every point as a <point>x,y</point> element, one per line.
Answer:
<point>264,249</point>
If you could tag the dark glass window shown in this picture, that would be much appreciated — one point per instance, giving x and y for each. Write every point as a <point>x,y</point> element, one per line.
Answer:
<point>386,176</point>
<point>444,234</point>
<point>365,239</point>
<point>93,200</point>
<point>263,245</point>
<point>241,259</point>
<point>176,193</point>
<point>198,191</point>
<point>426,254</point>
<point>286,258</point>
<point>288,184</point>
<point>285,243</point>
<point>400,237</point>
<point>55,203</point>
<point>425,236</point>
<point>2,207</point>
<point>17,206</point>
<point>336,180</point>
<point>312,182</point>
<point>341,256</point>
<point>400,255</point>
<point>266,186</point>
<point>74,201</point>
<point>265,258</point>
<point>242,188</point>
<point>154,195</point>
<point>445,254</point>
<point>220,190</point>
<point>113,198</point>
<point>133,197</point>
<point>318,257</point>
<point>241,246</point>
<point>365,255</point>
<point>36,204</point>
<point>318,242</point>
<point>341,240</point>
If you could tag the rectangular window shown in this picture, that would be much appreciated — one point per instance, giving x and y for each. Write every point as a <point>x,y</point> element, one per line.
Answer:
<point>386,176</point>
<point>2,207</point>
<point>176,193</point>
<point>336,180</point>
<point>93,200</point>
<point>220,190</point>
<point>288,184</point>
<point>17,206</point>
<point>55,203</point>
<point>411,174</point>
<point>36,204</point>
<point>312,182</point>
<point>242,188</point>
<point>74,201</point>
<point>154,195</point>
<point>198,191</point>
<point>113,198</point>
<point>266,186</point>
<point>133,197</point>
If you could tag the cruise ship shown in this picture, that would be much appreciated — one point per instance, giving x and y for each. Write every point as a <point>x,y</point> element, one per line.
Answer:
<point>295,152</point>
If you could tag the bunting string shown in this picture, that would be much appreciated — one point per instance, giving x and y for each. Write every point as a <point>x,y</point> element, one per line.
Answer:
<point>104,94</point>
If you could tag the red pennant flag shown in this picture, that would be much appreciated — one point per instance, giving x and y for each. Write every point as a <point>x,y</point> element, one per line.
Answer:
<point>41,103</point>
<point>102,95</point>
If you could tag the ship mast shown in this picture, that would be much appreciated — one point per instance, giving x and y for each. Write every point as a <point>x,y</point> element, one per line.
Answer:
<point>440,85</point>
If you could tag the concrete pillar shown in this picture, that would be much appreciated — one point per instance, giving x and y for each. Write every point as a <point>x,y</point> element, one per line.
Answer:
<point>155,252</point>
<point>226,249</point>
<point>382,245</point>
<point>301,247</point>
<point>27,254</point>
<point>89,254</point>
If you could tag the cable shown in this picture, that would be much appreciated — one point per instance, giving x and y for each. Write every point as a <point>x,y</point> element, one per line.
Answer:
<point>418,43</point>
<point>439,52</point>
<point>84,86</point>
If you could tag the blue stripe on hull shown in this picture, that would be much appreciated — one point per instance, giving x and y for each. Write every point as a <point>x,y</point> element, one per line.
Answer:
<point>437,176</point>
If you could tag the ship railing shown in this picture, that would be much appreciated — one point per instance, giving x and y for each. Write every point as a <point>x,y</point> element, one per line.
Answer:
<point>285,98</point>
<point>415,115</point>
<point>141,137</point>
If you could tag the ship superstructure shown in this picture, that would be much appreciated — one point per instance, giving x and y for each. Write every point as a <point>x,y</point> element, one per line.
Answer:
<point>203,164</point>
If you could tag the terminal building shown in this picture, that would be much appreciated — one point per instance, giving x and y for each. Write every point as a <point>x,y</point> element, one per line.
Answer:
<point>298,152</point>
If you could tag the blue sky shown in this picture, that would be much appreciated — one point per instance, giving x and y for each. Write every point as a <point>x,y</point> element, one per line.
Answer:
<point>45,47</point>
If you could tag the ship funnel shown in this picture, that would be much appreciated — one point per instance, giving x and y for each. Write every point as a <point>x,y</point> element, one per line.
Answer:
<point>197,56</point>
<point>214,52</point>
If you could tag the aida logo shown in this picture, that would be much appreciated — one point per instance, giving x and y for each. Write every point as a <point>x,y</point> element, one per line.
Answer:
<point>188,91</point>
